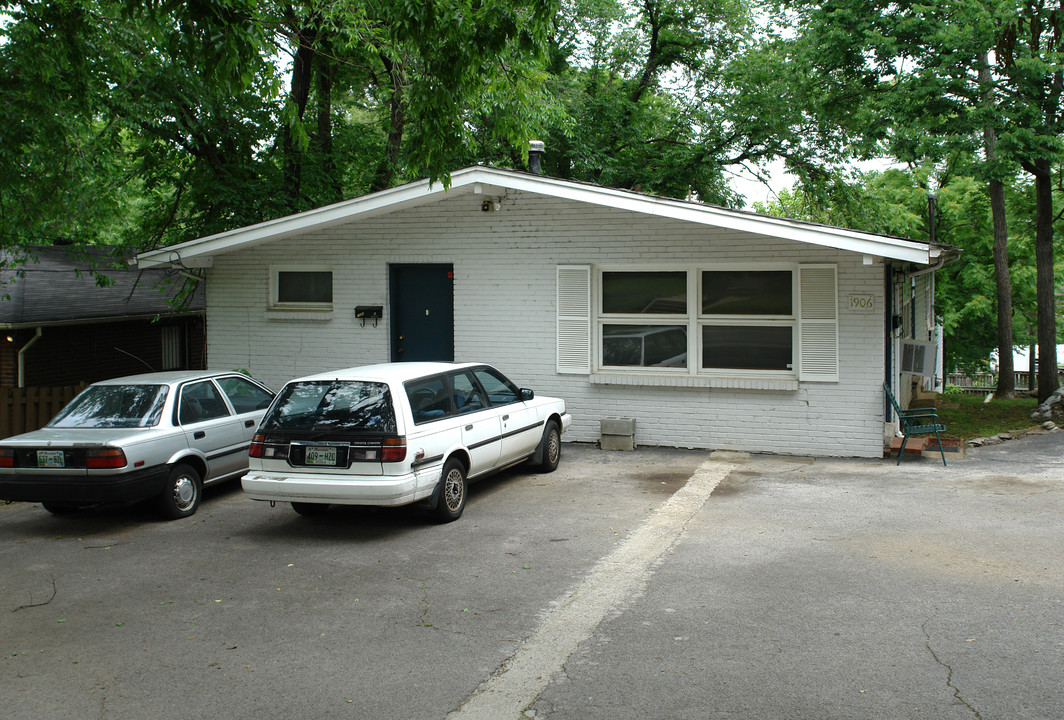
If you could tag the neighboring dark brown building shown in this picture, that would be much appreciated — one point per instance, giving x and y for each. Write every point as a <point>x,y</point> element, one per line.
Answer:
<point>58,327</point>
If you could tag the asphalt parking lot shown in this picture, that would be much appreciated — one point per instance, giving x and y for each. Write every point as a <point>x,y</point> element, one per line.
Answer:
<point>653,584</point>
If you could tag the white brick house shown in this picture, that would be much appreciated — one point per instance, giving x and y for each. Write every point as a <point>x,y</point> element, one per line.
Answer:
<point>713,328</point>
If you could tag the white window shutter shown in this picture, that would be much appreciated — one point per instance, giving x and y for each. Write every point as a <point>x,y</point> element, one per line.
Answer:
<point>818,323</point>
<point>574,319</point>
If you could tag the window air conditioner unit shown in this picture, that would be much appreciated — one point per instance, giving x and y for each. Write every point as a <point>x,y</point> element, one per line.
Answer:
<point>918,358</point>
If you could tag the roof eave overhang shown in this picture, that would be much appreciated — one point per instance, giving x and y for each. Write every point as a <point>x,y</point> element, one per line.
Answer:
<point>199,253</point>
<point>488,181</point>
<point>31,324</point>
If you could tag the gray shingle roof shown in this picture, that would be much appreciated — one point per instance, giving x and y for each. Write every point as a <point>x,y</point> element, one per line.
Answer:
<point>60,289</point>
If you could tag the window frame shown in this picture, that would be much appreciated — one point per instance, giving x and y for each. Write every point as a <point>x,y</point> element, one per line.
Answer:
<point>219,402</point>
<point>751,320</point>
<point>234,398</point>
<point>477,372</point>
<point>664,320</point>
<point>694,320</point>
<point>448,391</point>
<point>274,300</point>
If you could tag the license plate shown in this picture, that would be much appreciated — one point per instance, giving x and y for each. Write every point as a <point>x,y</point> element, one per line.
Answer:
<point>50,459</point>
<point>321,455</point>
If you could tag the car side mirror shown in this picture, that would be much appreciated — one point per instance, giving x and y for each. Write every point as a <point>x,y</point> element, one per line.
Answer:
<point>527,394</point>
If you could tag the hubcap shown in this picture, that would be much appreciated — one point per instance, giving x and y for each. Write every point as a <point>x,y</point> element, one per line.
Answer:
<point>453,491</point>
<point>554,447</point>
<point>184,492</point>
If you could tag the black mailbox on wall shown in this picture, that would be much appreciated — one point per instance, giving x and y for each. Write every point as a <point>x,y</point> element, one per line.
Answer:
<point>369,312</point>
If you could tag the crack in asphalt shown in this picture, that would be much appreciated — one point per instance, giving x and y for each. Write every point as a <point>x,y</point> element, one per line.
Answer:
<point>949,673</point>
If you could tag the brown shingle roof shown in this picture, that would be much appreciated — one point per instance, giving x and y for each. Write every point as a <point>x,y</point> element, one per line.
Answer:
<point>60,288</point>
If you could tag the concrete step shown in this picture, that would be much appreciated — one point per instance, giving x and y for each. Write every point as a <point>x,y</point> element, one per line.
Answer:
<point>925,445</point>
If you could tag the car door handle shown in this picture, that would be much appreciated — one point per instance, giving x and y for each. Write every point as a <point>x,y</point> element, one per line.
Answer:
<point>249,423</point>
<point>468,427</point>
<point>505,417</point>
<point>199,435</point>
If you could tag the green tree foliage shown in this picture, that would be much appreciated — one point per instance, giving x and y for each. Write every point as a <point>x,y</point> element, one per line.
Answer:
<point>66,166</point>
<point>151,123</point>
<point>170,120</point>
<point>401,82</point>
<point>940,78</point>
<point>131,123</point>
<point>671,97</point>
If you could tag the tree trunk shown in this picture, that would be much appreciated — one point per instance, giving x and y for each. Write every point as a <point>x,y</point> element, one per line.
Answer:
<point>1045,292</point>
<point>1006,383</point>
<point>302,67</point>
<point>396,126</point>
<point>326,73</point>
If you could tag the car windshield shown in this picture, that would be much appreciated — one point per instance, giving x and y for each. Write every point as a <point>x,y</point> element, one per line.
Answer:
<point>113,406</point>
<point>333,406</point>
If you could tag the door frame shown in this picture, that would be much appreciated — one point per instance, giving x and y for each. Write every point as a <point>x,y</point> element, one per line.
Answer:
<point>394,292</point>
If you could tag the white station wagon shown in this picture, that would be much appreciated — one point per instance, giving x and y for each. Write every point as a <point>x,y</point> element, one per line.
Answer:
<point>400,433</point>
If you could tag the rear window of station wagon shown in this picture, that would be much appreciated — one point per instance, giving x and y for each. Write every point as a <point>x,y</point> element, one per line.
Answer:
<point>333,406</point>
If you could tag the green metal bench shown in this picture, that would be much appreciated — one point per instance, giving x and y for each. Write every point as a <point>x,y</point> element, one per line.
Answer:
<point>916,421</point>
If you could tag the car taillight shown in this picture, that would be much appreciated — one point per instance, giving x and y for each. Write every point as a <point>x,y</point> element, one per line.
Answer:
<point>7,457</point>
<point>393,449</point>
<point>105,458</point>
<point>255,450</point>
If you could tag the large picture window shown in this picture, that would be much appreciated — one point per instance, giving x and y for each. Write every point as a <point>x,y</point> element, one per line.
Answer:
<point>301,287</point>
<point>734,321</point>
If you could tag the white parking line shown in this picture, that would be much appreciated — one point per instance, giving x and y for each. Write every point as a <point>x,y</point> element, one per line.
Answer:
<point>573,618</point>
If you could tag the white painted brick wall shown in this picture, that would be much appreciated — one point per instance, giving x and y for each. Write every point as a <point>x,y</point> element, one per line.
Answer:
<point>505,273</point>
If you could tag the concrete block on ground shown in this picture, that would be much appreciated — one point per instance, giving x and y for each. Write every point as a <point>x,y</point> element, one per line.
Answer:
<point>617,433</point>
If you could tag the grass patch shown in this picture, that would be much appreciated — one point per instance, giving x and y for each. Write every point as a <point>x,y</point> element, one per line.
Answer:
<point>972,418</point>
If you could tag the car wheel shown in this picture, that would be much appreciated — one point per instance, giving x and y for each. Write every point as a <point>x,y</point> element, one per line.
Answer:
<point>452,498</point>
<point>550,447</point>
<point>308,509</point>
<point>60,508</point>
<point>182,493</point>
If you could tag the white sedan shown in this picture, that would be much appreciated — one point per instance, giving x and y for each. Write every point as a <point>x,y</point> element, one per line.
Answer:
<point>399,433</point>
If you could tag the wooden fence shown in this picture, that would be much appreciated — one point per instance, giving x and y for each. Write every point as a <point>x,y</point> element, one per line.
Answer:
<point>26,409</point>
<point>978,383</point>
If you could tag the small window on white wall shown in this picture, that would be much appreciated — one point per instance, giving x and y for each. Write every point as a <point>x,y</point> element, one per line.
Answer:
<point>309,287</point>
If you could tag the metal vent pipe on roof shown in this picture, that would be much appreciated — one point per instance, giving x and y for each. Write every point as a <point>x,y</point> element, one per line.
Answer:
<point>535,156</point>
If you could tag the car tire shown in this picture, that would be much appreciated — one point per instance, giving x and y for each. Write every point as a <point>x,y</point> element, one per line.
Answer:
<point>60,508</point>
<point>308,509</point>
<point>182,493</point>
<point>453,486</point>
<point>550,449</point>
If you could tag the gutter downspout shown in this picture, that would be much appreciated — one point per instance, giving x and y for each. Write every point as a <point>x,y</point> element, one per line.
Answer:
<point>22,359</point>
<point>943,258</point>
<point>926,270</point>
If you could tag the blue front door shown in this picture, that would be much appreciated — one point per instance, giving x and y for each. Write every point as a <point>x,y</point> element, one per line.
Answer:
<point>422,300</point>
